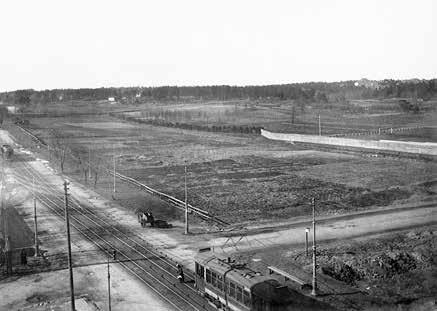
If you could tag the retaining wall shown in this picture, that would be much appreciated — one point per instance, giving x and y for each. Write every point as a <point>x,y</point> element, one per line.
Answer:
<point>389,145</point>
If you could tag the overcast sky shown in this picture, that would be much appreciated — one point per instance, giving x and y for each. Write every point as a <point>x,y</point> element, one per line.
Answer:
<point>72,44</point>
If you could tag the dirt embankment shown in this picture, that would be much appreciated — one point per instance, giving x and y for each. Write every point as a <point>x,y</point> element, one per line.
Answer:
<point>396,270</point>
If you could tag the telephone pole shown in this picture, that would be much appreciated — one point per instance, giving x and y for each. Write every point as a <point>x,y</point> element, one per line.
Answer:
<point>109,287</point>
<point>320,127</point>
<point>186,202</point>
<point>113,173</point>
<point>35,219</point>
<point>5,225</point>
<point>307,230</point>
<point>70,264</point>
<point>314,289</point>
<point>89,162</point>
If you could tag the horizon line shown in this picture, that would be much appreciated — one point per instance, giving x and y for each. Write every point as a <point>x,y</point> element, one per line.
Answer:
<point>210,85</point>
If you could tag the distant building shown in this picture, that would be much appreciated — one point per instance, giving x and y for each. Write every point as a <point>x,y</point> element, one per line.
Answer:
<point>368,83</point>
<point>12,109</point>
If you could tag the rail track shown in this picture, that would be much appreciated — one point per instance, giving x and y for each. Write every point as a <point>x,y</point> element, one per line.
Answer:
<point>179,204</point>
<point>138,257</point>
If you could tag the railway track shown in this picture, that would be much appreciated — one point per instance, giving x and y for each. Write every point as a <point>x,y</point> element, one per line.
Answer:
<point>138,257</point>
<point>179,204</point>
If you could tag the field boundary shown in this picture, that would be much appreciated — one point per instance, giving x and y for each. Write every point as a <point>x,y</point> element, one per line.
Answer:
<point>379,131</point>
<point>224,128</point>
<point>427,149</point>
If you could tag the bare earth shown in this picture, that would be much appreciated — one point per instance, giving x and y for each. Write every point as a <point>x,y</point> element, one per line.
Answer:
<point>131,295</point>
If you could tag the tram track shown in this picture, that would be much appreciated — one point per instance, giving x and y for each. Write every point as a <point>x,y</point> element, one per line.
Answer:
<point>137,256</point>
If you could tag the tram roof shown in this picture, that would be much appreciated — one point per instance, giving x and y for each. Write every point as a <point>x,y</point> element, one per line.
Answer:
<point>238,272</point>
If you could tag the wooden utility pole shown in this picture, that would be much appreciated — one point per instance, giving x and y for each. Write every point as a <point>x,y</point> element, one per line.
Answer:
<point>320,127</point>
<point>109,287</point>
<point>307,230</point>
<point>70,264</point>
<point>186,202</point>
<point>35,219</point>
<point>89,162</point>
<point>5,220</point>
<point>314,289</point>
<point>114,171</point>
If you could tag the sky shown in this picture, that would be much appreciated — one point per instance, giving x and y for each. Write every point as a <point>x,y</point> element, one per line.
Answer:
<point>103,43</point>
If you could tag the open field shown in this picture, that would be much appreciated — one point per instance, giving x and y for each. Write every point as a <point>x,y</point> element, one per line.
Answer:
<point>240,178</point>
<point>249,180</point>
<point>286,116</point>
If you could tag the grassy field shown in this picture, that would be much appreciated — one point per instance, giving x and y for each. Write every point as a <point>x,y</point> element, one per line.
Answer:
<point>285,116</point>
<point>237,177</point>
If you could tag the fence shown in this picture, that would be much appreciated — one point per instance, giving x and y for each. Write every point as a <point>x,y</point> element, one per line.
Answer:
<point>107,170</point>
<point>380,131</point>
<point>387,145</point>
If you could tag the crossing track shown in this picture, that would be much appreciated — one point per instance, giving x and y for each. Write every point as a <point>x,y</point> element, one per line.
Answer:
<point>138,257</point>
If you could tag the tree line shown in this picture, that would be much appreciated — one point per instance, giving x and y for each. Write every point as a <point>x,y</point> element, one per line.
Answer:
<point>225,128</point>
<point>320,92</point>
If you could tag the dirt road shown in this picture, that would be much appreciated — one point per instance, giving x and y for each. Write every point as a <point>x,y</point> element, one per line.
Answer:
<point>335,228</point>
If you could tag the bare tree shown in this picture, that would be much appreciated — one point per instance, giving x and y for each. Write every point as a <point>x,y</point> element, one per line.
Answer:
<point>82,165</point>
<point>60,146</point>
<point>95,170</point>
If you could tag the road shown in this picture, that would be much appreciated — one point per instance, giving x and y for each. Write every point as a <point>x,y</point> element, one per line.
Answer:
<point>332,228</point>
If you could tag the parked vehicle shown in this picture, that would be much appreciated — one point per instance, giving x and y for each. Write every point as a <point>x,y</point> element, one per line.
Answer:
<point>7,151</point>
<point>145,218</point>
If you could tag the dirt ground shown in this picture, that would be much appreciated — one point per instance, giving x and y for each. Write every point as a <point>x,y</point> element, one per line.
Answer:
<point>395,271</point>
<point>239,177</point>
<point>173,242</point>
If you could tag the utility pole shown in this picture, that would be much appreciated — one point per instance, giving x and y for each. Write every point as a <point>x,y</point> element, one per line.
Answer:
<point>109,287</point>
<point>186,202</point>
<point>70,264</point>
<point>5,225</point>
<point>89,162</point>
<point>314,289</point>
<point>114,171</point>
<point>35,219</point>
<point>320,127</point>
<point>307,230</point>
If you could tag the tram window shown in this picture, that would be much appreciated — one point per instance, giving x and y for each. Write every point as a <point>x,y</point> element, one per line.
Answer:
<point>219,282</point>
<point>246,298</point>
<point>214,279</point>
<point>200,270</point>
<point>231,289</point>
<point>208,276</point>
<point>239,294</point>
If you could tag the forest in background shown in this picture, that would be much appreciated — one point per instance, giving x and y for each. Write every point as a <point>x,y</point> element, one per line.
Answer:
<point>319,92</point>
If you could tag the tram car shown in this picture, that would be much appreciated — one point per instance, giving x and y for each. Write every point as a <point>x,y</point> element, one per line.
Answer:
<point>233,286</point>
<point>7,151</point>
